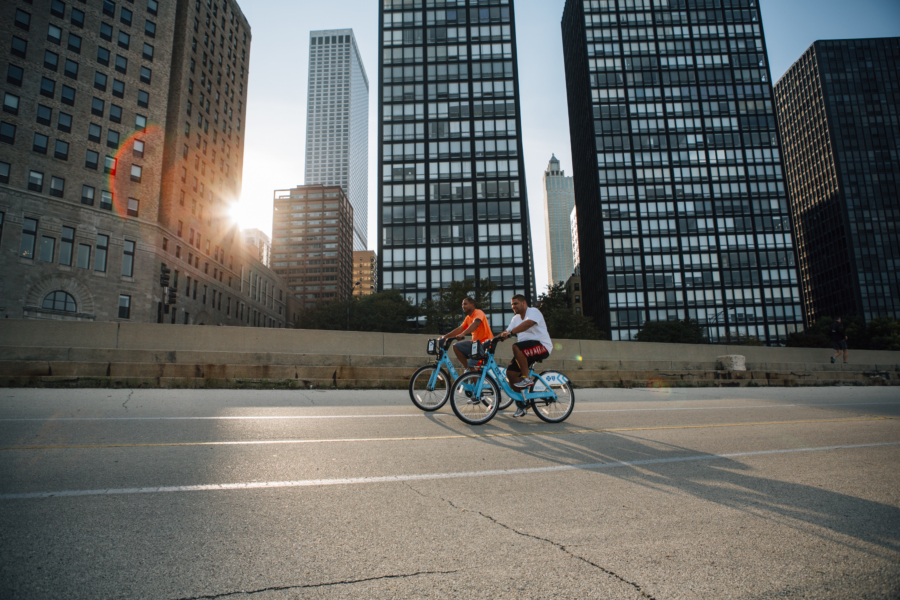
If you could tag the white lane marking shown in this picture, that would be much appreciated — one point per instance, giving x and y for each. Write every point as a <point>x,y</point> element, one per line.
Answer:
<point>418,414</point>
<point>426,476</point>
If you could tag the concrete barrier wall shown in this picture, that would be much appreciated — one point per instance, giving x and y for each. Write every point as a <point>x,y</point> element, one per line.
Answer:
<point>140,336</point>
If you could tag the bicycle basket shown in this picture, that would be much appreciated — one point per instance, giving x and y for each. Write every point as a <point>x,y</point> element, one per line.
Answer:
<point>433,347</point>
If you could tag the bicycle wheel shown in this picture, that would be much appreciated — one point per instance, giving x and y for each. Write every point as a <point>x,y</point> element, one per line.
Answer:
<point>558,410</point>
<point>471,410</point>
<point>424,397</point>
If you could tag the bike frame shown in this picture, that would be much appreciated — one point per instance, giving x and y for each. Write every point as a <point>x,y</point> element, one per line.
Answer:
<point>444,360</point>
<point>522,397</point>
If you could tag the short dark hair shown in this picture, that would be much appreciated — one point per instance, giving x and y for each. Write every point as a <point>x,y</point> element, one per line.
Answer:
<point>520,298</point>
<point>470,300</point>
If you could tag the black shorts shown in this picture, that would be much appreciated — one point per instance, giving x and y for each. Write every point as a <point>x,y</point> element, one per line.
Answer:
<point>840,345</point>
<point>533,351</point>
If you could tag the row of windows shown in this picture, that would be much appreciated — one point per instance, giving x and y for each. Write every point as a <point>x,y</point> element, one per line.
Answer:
<point>496,14</point>
<point>69,250</point>
<point>15,76</point>
<point>444,35</point>
<point>449,91</point>
<point>736,46</point>
<point>697,32</point>
<point>681,93</point>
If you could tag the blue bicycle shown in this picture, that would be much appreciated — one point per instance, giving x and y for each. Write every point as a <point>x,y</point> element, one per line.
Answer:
<point>429,387</point>
<point>475,395</point>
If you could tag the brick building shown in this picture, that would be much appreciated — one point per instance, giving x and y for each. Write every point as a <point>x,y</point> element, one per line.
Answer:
<point>121,149</point>
<point>365,271</point>
<point>312,242</point>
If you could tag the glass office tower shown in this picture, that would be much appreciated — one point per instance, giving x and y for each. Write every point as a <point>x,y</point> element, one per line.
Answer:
<point>838,108</point>
<point>452,201</point>
<point>682,206</point>
<point>559,201</point>
<point>337,122</point>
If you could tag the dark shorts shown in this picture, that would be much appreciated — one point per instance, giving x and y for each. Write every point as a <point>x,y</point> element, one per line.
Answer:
<point>840,345</point>
<point>533,351</point>
<point>466,349</point>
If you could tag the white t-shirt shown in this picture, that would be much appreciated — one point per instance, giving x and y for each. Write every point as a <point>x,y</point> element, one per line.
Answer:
<point>537,332</point>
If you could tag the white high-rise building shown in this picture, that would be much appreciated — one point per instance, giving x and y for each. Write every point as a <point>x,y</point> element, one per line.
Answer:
<point>337,122</point>
<point>559,200</point>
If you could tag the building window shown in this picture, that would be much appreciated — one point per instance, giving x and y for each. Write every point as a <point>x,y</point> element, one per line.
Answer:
<point>48,246</point>
<point>145,75</point>
<point>125,16</point>
<point>7,133</point>
<point>59,300</point>
<point>124,305</point>
<point>61,150</point>
<point>44,114</point>
<point>106,32</point>
<point>29,234</point>
<point>136,173</point>
<point>109,8</point>
<point>87,195</point>
<point>14,75</point>
<point>115,113</point>
<point>36,181</point>
<point>133,205</point>
<point>128,259</point>
<point>4,172</point>
<point>103,56</point>
<point>51,60</point>
<point>74,43</point>
<point>140,122</point>
<point>121,64</point>
<point>148,52</point>
<point>100,81</point>
<point>68,95</point>
<point>143,99</point>
<point>77,18</point>
<point>102,249</point>
<point>11,104</point>
<point>57,186</point>
<point>106,200</point>
<point>112,138</point>
<point>58,9</point>
<point>40,143</point>
<point>84,256</point>
<point>91,159</point>
<point>97,107</point>
<point>152,6</point>
<point>150,29</point>
<point>48,87</point>
<point>54,34</point>
<point>118,88</point>
<point>124,40</point>
<point>19,47</point>
<point>138,149</point>
<point>67,242</point>
<point>71,69</point>
<point>64,122</point>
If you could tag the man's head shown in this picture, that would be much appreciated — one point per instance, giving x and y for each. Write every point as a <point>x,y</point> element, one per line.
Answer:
<point>519,304</point>
<point>468,305</point>
<point>838,319</point>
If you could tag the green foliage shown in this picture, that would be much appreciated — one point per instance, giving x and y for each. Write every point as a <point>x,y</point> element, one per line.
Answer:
<point>445,313</point>
<point>882,333</point>
<point>738,339</point>
<point>387,312</point>
<point>562,321</point>
<point>672,332</point>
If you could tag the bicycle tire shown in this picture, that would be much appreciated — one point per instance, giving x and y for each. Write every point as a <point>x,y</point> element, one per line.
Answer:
<point>426,399</point>
<point>469,411</point>
<point>555,411</point>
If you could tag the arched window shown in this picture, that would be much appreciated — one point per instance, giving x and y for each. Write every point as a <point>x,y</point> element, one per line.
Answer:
<point>59,300</point>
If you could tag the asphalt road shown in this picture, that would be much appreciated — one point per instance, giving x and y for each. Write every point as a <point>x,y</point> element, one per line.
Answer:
<point>689,493</point>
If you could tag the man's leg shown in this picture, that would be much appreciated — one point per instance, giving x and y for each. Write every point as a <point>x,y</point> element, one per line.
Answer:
<point>846,355</point>
<point>460,355</point>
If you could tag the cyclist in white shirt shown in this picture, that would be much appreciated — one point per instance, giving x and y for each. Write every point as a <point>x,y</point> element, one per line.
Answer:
<point>534,344</point>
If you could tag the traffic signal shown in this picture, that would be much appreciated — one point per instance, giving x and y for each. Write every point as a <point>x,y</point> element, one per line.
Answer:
<point>172,298</point>
<point>164,276</point>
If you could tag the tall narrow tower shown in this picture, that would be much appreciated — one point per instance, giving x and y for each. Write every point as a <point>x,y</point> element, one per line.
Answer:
<point>337,122</point>
<point>559,200</point>
<point>453,203</point>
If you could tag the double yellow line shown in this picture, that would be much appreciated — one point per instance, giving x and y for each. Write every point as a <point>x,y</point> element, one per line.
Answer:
<point>444,437</point>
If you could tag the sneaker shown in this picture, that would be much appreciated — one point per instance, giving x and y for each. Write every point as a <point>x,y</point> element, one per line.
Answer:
<point>832,360</point>
<point>524,383</point>
<point>521,412</point>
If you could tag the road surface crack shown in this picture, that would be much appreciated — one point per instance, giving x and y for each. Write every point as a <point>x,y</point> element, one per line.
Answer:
<point>125,404</point>
<point>559,546</point>
<point>318,585</point>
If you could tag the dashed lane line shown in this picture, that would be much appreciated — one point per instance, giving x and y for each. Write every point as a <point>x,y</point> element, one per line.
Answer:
<point>439,437</point>
<point>428,476</point>
<point>436,414</point>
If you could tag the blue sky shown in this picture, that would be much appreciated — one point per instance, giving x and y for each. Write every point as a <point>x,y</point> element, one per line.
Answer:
<point>276,106</point>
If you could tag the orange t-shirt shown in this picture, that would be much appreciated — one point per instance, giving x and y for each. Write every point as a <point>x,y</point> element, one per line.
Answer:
<point>483,333</point>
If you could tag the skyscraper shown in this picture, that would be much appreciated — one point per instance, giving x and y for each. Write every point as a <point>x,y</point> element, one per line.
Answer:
<point>453,203</point>
<point>682,206</point>
<point>337,122</point>
<point>559,201</point>
<point>121,150</point>
<point>838,106</point>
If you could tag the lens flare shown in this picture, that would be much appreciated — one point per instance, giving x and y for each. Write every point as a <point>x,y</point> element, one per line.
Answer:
<point>579,358</point>
<point>118,182</point>
<point>659,387</point>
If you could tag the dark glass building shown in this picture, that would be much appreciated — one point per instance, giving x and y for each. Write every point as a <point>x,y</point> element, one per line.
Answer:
<point>452,204</point>
<point>838,111</point>
<point>682,206</point>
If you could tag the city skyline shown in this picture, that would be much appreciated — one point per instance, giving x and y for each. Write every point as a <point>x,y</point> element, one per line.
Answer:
<point>274,158</point>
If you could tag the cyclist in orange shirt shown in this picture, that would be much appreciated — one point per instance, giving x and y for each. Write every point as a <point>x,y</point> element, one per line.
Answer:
<point>475,323</point>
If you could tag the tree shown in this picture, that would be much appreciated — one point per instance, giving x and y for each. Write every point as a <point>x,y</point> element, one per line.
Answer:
<point>883,333</point>
<point>672,332</point>
<point>562,321</point>
<point>445,313</point>
<point>388,312</point>
<point>739,339</point>
<point>818,335</point>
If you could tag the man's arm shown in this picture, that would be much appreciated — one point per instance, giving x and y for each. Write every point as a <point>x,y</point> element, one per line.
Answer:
<point>453,333</point>
<point>523,326</point>
<point>459,332</point>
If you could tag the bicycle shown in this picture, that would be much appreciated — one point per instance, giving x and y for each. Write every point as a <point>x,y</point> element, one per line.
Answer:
<point>429,387</point>
<point>474,394</point>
